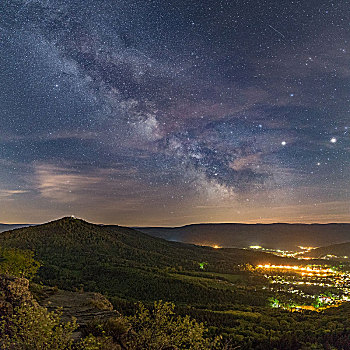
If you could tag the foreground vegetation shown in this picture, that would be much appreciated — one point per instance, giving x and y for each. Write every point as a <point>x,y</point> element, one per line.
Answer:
<point>32,327</point>
<point>27,325</point>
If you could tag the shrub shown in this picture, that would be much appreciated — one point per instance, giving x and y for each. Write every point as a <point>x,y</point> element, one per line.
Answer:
<point>161,329</point>
<point>18,263</point>
<point>32,327</point>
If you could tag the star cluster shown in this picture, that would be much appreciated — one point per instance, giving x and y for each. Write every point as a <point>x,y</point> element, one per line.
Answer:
<point>150,112</point>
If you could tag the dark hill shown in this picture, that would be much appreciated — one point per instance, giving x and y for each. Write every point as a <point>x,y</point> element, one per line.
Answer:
<point>123,262</point>
<point>339,250</point>
<point>278,236</point>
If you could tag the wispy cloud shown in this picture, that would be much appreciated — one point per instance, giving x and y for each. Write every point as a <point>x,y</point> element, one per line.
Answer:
<point>11,193</point>
<point>62,184</point>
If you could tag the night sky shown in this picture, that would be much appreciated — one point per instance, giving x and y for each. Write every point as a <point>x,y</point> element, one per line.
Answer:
<point>175,112</point>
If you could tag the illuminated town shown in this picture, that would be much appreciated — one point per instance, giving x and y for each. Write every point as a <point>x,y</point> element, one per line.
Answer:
<point>300,254</point>
<point>312,287</point>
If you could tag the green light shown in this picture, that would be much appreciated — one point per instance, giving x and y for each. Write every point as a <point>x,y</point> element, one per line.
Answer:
<point>274,303</point>
<point>202,265</point>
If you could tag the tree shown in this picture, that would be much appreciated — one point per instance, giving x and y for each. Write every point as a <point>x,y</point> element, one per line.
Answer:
<point>32,327</point>
<point>160,329</point>
<point>18,263</point>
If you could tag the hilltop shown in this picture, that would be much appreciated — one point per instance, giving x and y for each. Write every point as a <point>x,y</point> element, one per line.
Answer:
<point>276,236</point>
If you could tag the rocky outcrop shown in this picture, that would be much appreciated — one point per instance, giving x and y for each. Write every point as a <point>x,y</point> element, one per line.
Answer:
<point>83,306</point>
<point>86,307</point>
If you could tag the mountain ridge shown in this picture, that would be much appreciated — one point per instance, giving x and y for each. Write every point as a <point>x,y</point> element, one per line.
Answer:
<point>234,235</point>
<point>290,236</point>
<point>340,250</point>
<point>9,227</point>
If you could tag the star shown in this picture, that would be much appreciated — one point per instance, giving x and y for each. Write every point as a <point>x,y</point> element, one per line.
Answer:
<point>168,103</point>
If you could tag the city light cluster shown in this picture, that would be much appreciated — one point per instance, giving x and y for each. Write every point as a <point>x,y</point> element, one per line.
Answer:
<point>312,288</point>
<point>301,269</point>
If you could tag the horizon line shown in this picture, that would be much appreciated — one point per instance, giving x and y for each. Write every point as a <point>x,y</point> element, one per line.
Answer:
<point>172,226</point>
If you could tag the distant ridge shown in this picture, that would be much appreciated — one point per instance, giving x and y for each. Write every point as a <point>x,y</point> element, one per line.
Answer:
<point>277,236</point>
<point>8,227</point>
<point>341,250</point>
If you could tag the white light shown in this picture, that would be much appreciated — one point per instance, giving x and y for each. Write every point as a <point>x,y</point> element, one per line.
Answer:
<point>283,143</point>
<point>333,140</point>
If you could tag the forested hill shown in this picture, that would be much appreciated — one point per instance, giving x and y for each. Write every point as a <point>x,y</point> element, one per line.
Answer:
<point>75,235</point>
<point>277,236</point>
<point>123,262</point>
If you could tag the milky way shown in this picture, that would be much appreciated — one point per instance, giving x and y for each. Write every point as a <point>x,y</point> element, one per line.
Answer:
<point>175,112</point>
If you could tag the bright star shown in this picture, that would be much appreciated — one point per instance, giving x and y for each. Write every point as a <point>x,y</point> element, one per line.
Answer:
<point>333,140</point>
<point>283,143</point>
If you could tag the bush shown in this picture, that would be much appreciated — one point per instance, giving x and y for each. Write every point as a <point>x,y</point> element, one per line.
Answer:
<point>18,263</point>
<point>32,327</point>
<point>92,342</point>
<point>161,329</point>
